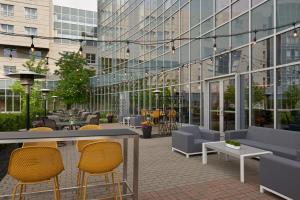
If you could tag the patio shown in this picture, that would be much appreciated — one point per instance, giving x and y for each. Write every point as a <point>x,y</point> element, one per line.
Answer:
<point>165,175</point>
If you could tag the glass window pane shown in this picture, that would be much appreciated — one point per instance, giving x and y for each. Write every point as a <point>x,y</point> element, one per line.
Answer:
<point>244,94</point>
<point>288,48</point>
<point>239,7</point>
<point>262,54</point>
<point>196,106</point>
<point>207,69</point>
<point>222,17</point>
<point>240,24</point>
<point>221,4</point>
<point>263,99</point>
<point>222,42</point>
<point>262,17</point>
<point>240,60</point>
<point>288,11</point>
<point>288,98</point>
<point>207,25</point>
<point>206,9</point>
<point>222,64</point>
<point>195,14</point>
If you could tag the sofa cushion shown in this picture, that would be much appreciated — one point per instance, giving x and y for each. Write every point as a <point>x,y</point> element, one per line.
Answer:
<point>277,150</point>
<point>190,129</point>
<point>284,138</point>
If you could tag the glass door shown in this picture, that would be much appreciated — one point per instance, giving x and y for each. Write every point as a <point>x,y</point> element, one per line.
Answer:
<point>222,108</point>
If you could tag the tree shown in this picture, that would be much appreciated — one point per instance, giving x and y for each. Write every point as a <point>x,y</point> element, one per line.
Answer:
<point>73,85</point>
<point>33,65</point>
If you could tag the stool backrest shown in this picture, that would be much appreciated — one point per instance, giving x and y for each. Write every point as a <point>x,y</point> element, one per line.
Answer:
<point>33,164</point>
<point>101,157</point>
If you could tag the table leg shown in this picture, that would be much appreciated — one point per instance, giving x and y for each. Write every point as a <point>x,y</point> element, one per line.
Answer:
<point>136,168</point>
<point>125,163</point>
<point>242,169</point>
<point>204,154</point>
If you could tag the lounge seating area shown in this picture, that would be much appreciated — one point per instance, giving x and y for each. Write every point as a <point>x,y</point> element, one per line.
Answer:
<point>278,171</point>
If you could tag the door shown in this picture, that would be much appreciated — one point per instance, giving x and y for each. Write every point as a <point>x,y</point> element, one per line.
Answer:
<point>222,106</point>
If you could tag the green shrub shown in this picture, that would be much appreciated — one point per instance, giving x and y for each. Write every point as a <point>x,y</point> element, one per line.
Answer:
<point>12,122</point>
<point>233,142</point>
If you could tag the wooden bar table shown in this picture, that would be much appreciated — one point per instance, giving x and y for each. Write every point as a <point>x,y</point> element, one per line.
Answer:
<point>72,135</point>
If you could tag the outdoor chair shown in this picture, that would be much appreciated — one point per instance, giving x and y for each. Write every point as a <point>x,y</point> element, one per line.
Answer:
<point>41,144</point>
<point>99,159</point>
<point>29,166</point>
<point>136,121</point>
<point>188,140</point>
<point>80,144</point>
<point>50,123</point>
<point>94,120</point>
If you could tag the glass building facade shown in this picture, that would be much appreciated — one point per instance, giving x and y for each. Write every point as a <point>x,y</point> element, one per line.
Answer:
<point>241,84</point>
<point>76,24</point>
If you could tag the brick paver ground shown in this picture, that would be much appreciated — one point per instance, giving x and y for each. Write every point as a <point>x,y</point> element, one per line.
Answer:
<point>164,175</point>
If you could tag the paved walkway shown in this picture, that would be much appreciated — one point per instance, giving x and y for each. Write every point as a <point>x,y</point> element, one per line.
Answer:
<point>165,175</point>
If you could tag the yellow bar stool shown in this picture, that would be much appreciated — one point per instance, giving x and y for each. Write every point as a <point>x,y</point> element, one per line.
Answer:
<point>40,144</point>
<point>100,159</point>
<point>34,165</point>
<point>80,144</point>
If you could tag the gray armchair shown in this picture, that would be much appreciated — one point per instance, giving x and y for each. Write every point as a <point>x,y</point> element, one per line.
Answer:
<point>188,140</point>
<point>280,176</point>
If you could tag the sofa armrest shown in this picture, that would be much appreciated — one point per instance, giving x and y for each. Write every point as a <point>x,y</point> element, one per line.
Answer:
<point>182,140</point>
<point>238,134</point>
<point>281,175</point>
<point>210,135</point>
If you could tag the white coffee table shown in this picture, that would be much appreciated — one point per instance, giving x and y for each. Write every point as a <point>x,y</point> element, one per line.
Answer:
<point>241,154</point>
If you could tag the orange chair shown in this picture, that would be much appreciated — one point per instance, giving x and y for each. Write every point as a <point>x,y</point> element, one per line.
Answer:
<point>40,144</point>
<point>33,165</point>
<point>155,115</point>
<point>99,159</point>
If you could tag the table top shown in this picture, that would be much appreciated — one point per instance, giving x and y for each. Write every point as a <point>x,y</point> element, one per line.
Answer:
<point>64,135</point>
<point>243,151</point>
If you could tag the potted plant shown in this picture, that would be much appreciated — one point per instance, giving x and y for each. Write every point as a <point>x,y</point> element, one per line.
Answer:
<point>109,117</point>
<point>233,144</point>
<point>147,129</point>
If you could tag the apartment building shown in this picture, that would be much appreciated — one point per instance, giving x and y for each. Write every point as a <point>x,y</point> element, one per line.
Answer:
<point>42,18</point>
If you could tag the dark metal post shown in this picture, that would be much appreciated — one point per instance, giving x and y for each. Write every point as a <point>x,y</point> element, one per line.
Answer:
<point>45,106</point>
<point>27,110</point>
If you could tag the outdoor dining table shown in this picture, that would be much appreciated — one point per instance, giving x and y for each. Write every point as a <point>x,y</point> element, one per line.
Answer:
<point>71,125</point>
<point>71,135</point>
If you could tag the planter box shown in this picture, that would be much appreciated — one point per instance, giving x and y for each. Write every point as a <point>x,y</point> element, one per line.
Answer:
<point>4,158</point>
<point>232,146</point>
<point>147,131</point>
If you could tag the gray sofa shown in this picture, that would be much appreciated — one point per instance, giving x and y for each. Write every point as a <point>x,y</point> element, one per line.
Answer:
<point>281,142</point>
<point>188,139</point>
<point>280,172</point>
<point>280,176</point>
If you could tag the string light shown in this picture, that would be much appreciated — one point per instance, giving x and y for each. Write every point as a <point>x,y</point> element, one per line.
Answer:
<point>295,32</point>
<point>128,50</point>
<point>80,48</point>
<point>215,44</point>
<point>254,39</point>
<point>32,45</point>
<point>173,47</point>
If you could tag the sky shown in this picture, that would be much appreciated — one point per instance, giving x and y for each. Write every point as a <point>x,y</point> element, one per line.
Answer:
<point>81,4</point>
